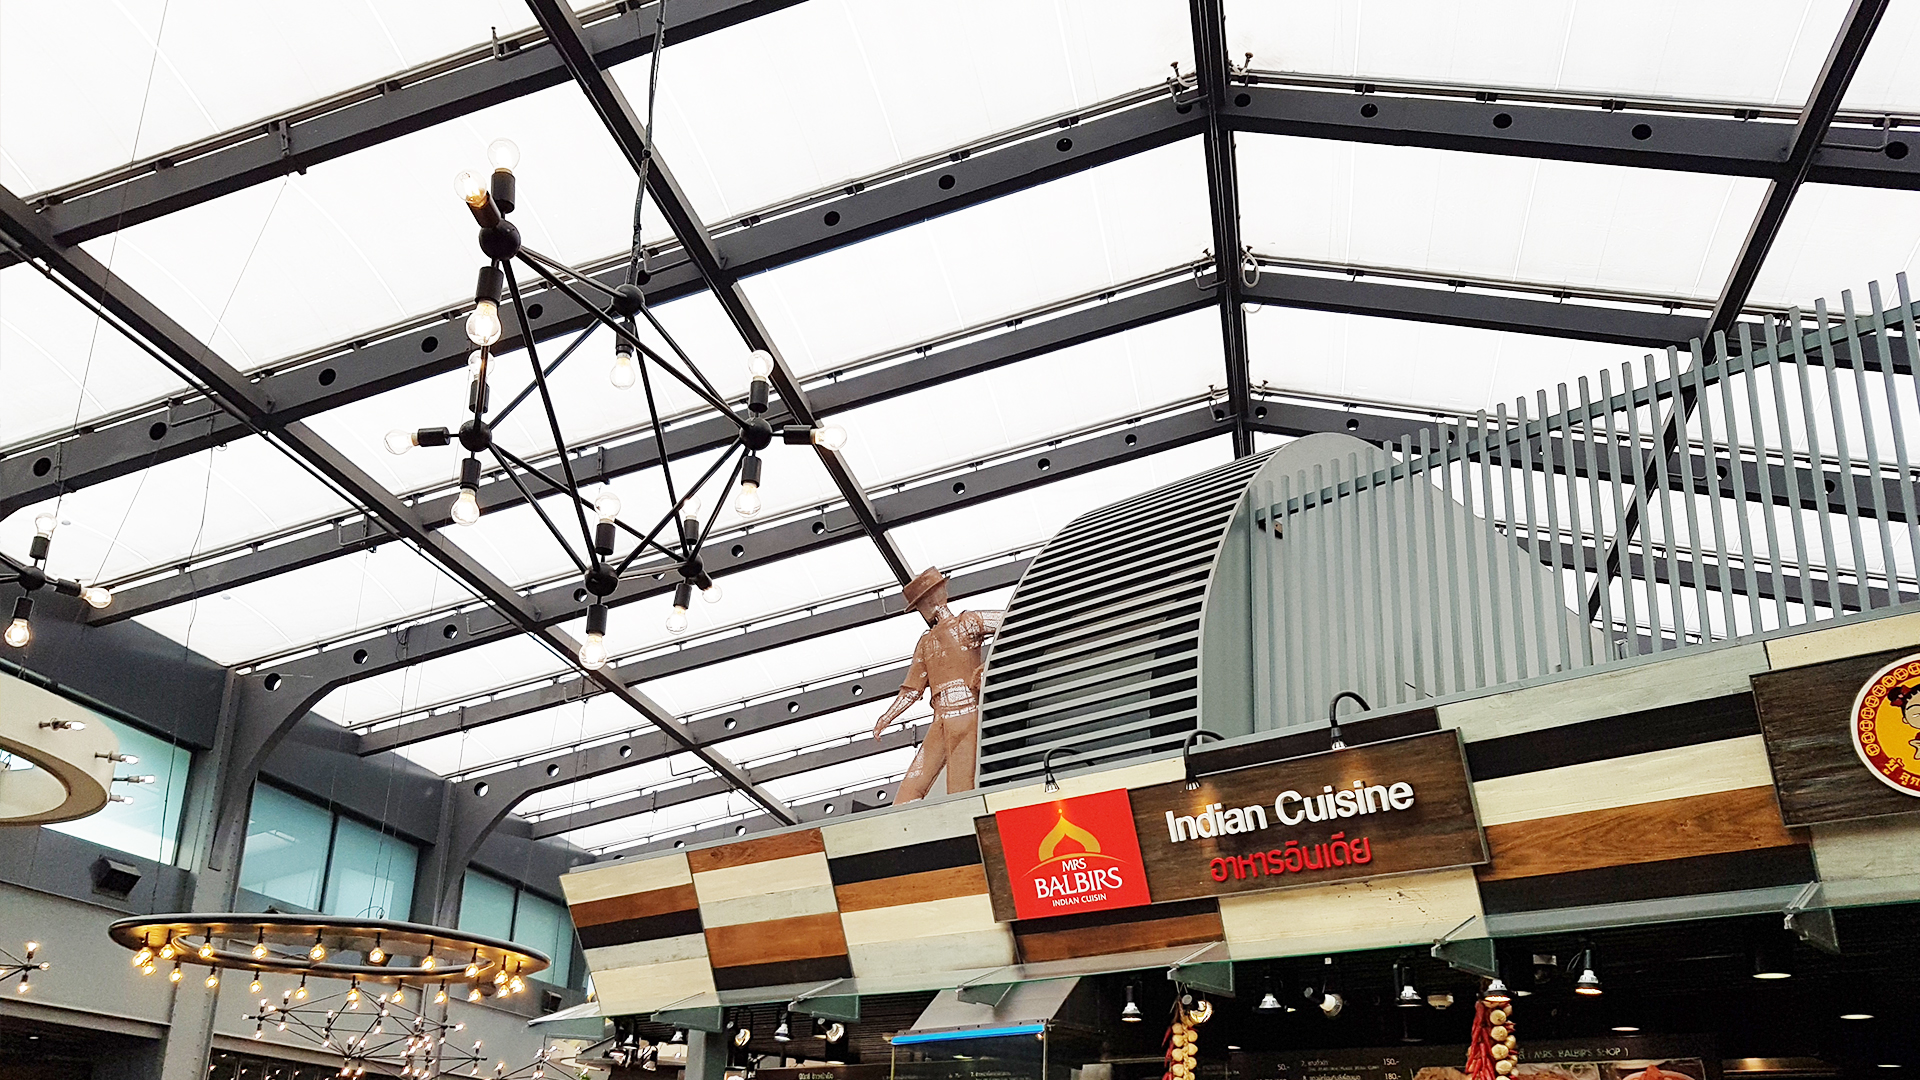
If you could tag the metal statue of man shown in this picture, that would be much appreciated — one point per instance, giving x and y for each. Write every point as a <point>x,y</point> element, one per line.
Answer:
<point>948,661</point>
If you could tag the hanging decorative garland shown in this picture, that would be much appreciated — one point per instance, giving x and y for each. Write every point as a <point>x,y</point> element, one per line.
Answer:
<point>1183,1037</point>
<point>1494,1050</point>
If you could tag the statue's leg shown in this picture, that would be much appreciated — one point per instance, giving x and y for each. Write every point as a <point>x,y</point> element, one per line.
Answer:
<point>926,763</point>
<point>963,736</point>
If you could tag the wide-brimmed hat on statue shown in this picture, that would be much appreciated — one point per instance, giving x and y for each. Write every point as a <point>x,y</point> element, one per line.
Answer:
<point>922,584</point>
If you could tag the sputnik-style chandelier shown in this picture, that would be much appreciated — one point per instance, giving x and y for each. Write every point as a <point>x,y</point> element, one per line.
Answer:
<point>680,533</point>
<point>22,966</point>
<point>32,576</point>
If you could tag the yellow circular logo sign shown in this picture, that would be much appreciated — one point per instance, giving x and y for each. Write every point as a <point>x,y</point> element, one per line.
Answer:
<point>1885,725</point>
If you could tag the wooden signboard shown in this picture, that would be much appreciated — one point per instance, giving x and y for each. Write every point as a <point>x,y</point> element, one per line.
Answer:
<point>1820,772</point>
<point>1391,807</point>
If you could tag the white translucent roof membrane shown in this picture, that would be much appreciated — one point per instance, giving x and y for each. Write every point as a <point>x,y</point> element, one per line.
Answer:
<point>1765,52</point>
<point>62,365</point>
<point>1075,235</point>
<point>1552,222</point>
<point>1422,366</point>
<point>813,660</point>
<point>1034,516</point>
<point>443,678</point>
<point>816,94</point>
<point>85,89</point>
<point>159,516</point>
<point>673,818</point>
<point>643,777</point>
<point>1110,378</point>
<point>377,236</point>
<point>1888,77</point>
<point>1838,238</point>
<point>312,604</point>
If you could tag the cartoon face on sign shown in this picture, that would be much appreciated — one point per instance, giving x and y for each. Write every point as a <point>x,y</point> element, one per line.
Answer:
<point>1073,855</point>
<point>1885,725</point>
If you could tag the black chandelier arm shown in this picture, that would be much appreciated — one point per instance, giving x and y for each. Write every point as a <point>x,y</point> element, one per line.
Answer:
<point>673,512</point>
<point>546,402</point>
<point>502,457</point>
<point>559,267</point>
<point>644,349</point>
<point>12,563</point>
<point>659,328</point>
<point>666,467</point>
<point>732,480</point>
<point>541,476</point>
<point>531,386</point>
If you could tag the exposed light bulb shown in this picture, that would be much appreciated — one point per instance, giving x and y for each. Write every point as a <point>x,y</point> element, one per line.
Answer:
<point>440,996</point>
<point>503,154</point>
<point>748,503</point>
<point>213,979</point>
<point>466,508</point>
<point>43,524</point>
<point>760,364</point>
<point>144,956</point>
<point>146,968</point>
<point>711,594</point>
<point>19,633</point>
<point>97,596</point>
<point>301,994</point>
<point>690,506</point>
<point>376,955</point>
<point>607,504</point>
<point>167,951</point>
<point>260,951</point>
<point>254,986</point>
<point>624,372</point>
<point>483,326</point>
<point>677,620</point>
<point>176,974</point>
<point>593,652</point>
<point>427,962</point>
<point>831,436</point>
<point>400,441</point>
<point>206,951</point>
<point>317,953</point>
<point>473,994</point>
<point>471,188</point>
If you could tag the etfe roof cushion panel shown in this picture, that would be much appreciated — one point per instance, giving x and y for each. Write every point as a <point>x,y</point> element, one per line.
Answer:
<point>62,365</point>
<point>1513,219</point>
<point>1888,78</point>
<point>1837,238</point>
<point>1764,52</point>
<point>1075,235</point>
<point>378,236</point>
<point>820,93</point>
<point>143,76</point>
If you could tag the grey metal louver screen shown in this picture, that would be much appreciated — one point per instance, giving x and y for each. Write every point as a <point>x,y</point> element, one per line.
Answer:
<point>1100,649</point>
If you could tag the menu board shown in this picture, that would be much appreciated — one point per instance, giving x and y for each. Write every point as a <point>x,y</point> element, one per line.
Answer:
<point>1675,1057</point>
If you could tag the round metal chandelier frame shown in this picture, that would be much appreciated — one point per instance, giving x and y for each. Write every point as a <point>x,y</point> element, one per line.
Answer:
<point>328,946</point>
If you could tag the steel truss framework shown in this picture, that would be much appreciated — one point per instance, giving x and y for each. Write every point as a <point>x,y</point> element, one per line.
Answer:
<point>1216,102</point>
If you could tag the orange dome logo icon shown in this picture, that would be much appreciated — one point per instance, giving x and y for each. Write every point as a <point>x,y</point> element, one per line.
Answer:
<point>1885,725</point>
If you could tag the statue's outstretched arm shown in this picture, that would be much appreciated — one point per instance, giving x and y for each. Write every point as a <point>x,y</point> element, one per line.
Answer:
<point>911,688</point>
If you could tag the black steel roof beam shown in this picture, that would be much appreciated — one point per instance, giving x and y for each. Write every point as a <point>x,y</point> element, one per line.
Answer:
<point>1124,443</point>
<point>318,380</point>
<point>1223,205</point>
<point>195,361</point>
<point>401,104</point>
<point>308,545</point>
<point>564,30</point>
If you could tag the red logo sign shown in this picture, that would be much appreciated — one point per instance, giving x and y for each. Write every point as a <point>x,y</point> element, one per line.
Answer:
<point>1073,855</point>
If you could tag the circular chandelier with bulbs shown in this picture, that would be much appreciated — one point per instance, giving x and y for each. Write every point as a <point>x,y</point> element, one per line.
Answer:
<point>32,576</point>
<point>678,534</point>
<point>357,951</point>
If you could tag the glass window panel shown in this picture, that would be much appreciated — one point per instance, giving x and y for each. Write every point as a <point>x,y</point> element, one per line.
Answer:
<point>1414,365</point>
<point>544,925</point>
<point>62,365</point>
<point>219,65</point>
<point>1837,238</point>
<point>1505,218</point>
<point>486,906</point>
<point>815,95</point>
<point>1769,51</point>
<point>382,228</point>
<point>371,876</point>
<point>315,603</point>
<point>1073,236</point>
<point>286,852</point>
<point>149,825</point>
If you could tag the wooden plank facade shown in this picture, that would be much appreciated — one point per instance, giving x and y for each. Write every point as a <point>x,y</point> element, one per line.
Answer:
<point>1670,795</point>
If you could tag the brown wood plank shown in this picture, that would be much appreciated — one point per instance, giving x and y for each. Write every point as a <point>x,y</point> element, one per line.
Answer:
<point>635,905</point>
<point>912,888</point>
<point>800,938</point>
<point>993,858</point>
<point>1744,819</point>
<point>1804,716</point>
<point>1120,937</point>
<point>763,849</point>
